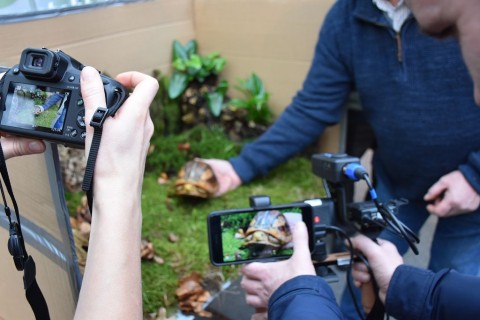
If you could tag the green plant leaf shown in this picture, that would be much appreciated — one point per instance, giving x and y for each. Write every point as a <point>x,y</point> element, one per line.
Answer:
<point>178,84</point>
<point>191,47</point>
<point>222,87</point>
<point>215,102</point>
<point>239,103</point>
<point>183,52</point>
<point>179,51</point>
<point>194,62</point>
<point>179,64</point>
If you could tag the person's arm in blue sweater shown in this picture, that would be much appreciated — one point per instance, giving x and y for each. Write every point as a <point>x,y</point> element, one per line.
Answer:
<point>317,105</point>
<point>304,297</point>
<point>414,293</point>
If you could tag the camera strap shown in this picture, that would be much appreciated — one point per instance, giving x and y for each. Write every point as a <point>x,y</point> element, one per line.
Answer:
<point>97,121</point>
<point>16,247</point>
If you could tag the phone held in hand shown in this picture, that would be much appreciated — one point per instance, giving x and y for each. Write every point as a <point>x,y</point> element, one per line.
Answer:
<point>256,234</point>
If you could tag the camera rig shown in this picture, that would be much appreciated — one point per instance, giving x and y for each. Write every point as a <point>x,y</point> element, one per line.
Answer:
<point>335,214</point>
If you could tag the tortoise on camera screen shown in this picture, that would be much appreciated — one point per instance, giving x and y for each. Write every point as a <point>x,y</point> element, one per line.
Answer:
<point>267,232</point>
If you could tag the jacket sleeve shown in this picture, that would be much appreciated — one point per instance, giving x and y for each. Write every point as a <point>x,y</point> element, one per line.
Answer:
<point>471,170</point>
<point>304,297</point>
<point>422,294</point>
<point>317,105</point>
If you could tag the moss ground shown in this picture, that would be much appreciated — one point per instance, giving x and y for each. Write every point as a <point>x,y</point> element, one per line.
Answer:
<point>165,214</point>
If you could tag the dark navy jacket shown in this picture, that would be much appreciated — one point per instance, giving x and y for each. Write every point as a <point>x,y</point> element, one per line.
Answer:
<point>412,294</point>
<point>415,90</point>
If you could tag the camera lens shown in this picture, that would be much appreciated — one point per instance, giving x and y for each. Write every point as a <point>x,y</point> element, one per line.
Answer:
<point>37,61</point>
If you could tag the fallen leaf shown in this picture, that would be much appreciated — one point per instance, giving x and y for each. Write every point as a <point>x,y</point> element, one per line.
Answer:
<point>147,251</point>
<point>163,179</point>
<point>172,237</point>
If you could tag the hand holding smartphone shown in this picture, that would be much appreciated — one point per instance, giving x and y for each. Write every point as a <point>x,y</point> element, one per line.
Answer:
<point>256,234</point>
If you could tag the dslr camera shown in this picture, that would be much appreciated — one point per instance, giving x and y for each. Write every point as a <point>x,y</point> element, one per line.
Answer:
<point>41,98</point>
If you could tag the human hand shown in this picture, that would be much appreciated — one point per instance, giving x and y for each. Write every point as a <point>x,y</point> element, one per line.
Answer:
<point>126,136</point>
<point>260,280</point>
<point>112,283</point>
<point>17,146</point>
<point>383,258</point>
<point>452,195</point>
<point>260,314</point>
<point>227,178</point>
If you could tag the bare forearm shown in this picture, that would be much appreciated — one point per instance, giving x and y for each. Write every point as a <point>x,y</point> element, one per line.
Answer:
<point>112,289</point>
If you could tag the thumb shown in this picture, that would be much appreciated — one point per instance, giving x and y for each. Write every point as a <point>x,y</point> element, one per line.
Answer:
<point>363,243</point>
<point>16,146</point>
<point>300,241</point>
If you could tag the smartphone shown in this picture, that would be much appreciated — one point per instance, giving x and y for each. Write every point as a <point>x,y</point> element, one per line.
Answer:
<point>256,234</point>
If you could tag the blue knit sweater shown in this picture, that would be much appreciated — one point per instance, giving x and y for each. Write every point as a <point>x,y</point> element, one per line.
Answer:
<point>415,90</point>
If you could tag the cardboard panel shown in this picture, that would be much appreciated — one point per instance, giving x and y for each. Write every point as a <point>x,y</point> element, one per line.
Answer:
<point>275,39</point>
<point>38,190</point>
<point>135,36</point>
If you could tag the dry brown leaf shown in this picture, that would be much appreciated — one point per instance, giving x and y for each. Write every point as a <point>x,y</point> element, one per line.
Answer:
<point>185,146</point>
<point>158,260</point>
<point>151,149</point>
<point>163,179</point>
<point>192,296</point>
<point>172,237</point>
<point>84,228</point>
<point>147,252</point>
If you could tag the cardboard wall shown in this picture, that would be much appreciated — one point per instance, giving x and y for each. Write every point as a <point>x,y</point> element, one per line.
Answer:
<point>134,36</point>
<point>273,38</point>
<point>38,190</point>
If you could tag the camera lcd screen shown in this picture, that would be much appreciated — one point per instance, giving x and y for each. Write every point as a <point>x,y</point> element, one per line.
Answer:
<point>255,234</point>
<point>35,107</point>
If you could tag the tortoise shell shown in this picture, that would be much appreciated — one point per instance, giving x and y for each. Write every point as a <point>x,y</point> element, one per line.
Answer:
<point>196,179</point>
<point>269,228</point>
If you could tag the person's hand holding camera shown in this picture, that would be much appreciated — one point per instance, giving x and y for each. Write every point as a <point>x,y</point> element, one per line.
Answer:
<point>17,146</point>
<point>383,258</point>
<point>111,287</point>
<point>260,280</point>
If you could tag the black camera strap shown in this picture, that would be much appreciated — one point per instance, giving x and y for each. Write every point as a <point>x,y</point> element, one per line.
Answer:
<point>97,121</point>
<point>16,247</point>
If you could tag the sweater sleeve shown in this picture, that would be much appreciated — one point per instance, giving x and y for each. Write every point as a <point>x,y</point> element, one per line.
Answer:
<point>422,294</point>
<point>471,170</point>
<point>317,105</point>
<point>304,297</point>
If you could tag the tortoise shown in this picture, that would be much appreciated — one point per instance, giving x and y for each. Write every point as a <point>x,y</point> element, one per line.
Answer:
<point>196,179</point>
<point>267,232</point>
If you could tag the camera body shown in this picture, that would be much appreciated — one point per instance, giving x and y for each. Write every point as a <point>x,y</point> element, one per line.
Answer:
<point>41,98</point>
<point>335,210</point>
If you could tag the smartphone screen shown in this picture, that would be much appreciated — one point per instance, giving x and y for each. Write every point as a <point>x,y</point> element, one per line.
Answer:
<point>265,234</point>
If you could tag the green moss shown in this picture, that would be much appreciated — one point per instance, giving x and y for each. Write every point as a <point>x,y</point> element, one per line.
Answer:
<point>203,143</point>
<point>164,214</point>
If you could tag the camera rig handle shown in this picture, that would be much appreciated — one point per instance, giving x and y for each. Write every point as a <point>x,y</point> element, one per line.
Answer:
<point>259,201</point>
